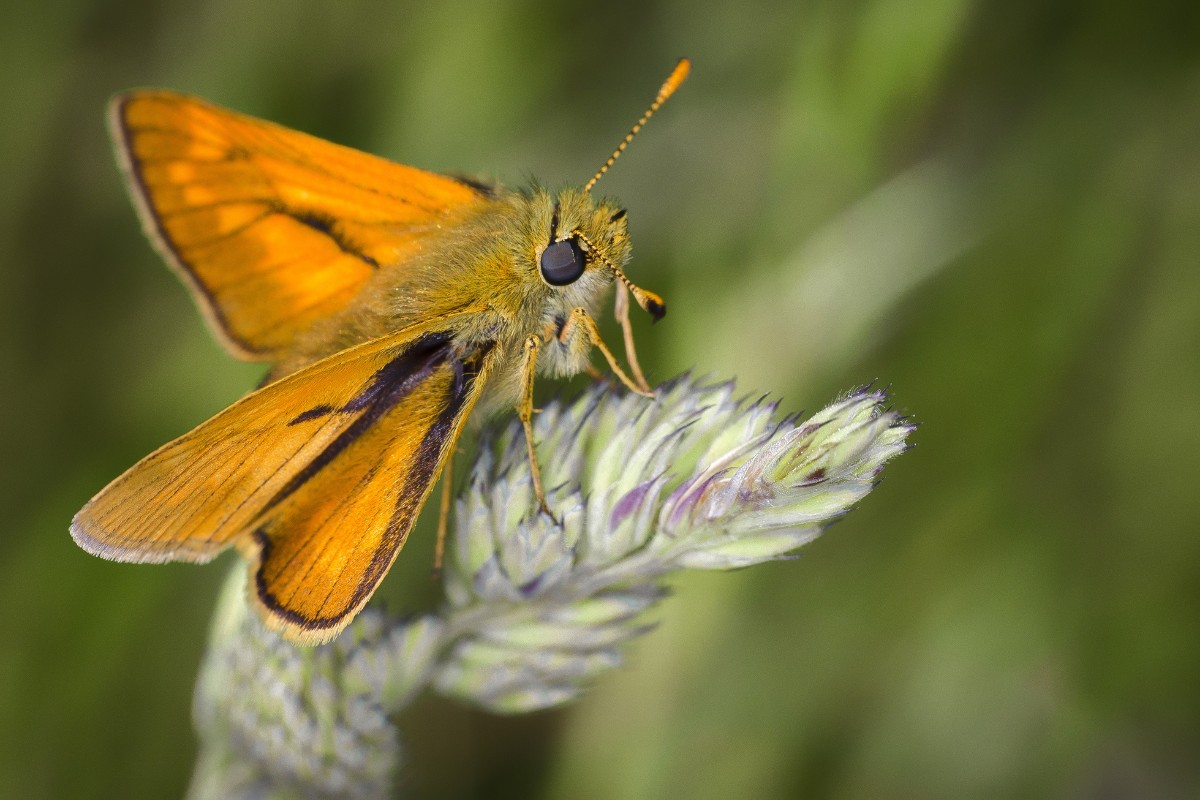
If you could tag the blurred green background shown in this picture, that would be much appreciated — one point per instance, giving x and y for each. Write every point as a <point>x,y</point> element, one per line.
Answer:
<point>992,206</point>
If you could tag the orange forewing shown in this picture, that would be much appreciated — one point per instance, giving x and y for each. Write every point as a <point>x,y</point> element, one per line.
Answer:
<point>272,228</point>
<point>317,477</point>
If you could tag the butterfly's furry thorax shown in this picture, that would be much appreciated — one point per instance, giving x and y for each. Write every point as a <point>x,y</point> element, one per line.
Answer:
<point>487,256</point>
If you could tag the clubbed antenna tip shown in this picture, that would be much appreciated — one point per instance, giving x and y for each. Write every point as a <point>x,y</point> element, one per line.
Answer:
<point>673,81</point>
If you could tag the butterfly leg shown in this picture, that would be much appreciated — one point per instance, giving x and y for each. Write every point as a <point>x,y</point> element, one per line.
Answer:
<point>439,549</point>
<point>581,321</point>
<point>621,312</point>
<point>525,413</point>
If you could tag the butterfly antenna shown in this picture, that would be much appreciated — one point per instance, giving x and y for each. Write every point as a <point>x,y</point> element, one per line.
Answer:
<point>669,86</point>
<point>651,303</point>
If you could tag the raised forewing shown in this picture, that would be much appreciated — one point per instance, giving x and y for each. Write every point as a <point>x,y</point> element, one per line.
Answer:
<point>271,228</point>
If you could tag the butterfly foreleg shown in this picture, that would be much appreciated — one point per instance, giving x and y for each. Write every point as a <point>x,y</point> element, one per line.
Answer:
<point>580,323</point>
<point>525,413</point>
<point>621,312</point>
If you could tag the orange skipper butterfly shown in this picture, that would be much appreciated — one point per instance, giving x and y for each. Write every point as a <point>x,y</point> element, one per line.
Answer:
<point>390,302</point>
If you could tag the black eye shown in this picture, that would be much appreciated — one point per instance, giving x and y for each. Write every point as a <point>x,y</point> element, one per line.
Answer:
<point>562,263</point>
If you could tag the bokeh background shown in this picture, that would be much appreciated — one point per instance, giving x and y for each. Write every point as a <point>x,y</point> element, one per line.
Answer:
<point>993,206</point>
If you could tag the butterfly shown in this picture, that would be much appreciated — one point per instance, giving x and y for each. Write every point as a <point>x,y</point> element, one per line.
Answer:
<point>391,303</point>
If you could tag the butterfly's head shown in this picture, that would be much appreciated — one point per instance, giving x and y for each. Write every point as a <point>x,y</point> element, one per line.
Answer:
<point>580,245</point>
<point>584,248</point>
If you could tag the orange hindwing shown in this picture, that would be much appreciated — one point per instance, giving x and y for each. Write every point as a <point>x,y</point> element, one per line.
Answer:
<point>317,477</point>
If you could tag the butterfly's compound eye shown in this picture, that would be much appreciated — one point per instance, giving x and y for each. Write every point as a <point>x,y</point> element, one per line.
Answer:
<point>562,263</point>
